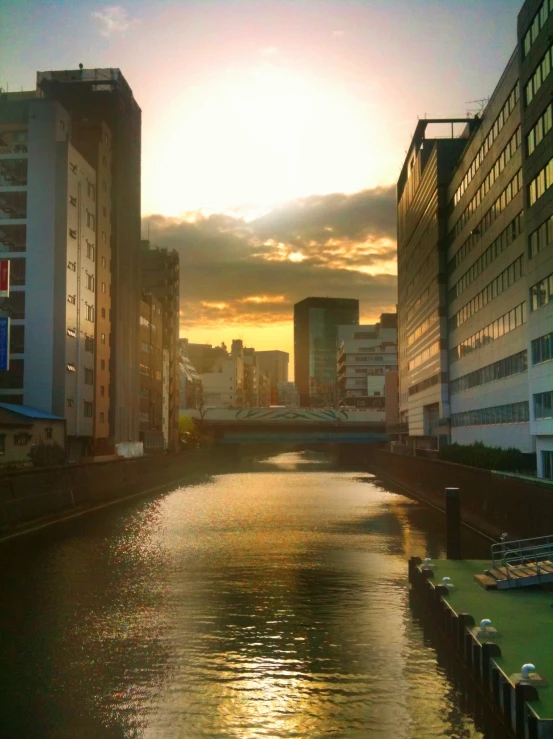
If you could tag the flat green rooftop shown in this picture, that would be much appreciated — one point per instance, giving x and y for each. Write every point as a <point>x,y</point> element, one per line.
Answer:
<point>523,617</point>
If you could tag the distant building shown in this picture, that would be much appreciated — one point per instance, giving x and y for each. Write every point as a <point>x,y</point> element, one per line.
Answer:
<point>366,357</point>
<point>151,375</point>
<point>316,321</point>
<point>288,395</point>
<point>191,391</point>
<point>275,363</point>
<point>160,274</point>
<point>251,378</point>
<point>202,356</point>
<point>223,387</point>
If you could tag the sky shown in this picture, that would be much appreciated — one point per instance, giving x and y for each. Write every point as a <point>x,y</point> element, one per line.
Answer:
<point>273,133</point>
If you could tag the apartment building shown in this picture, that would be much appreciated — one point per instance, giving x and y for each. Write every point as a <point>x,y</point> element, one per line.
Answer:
<point>496,212</point>
<point>160,275</point>
<point>48,230</point>
<point>365,356</point>
<point>92,97</point>
<point>152,395</point>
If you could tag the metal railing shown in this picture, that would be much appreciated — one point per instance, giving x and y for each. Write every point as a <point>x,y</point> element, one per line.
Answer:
<point>520,552</point>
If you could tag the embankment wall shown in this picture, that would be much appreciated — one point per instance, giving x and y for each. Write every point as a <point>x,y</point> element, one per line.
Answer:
<point>490,503</point>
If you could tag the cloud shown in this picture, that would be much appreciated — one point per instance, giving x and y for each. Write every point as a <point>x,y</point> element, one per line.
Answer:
<point>252,273</point>
<point>113,19</point>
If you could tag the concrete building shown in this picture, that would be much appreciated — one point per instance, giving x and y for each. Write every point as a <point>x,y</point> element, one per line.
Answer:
<point>288,395</point>
<point>48,230</point>
<point>275,363</point>
<point>160,275</point>
<point>365,356</point>
<point>92,97</point>
<point>316,322</point>
<point>191,391</point>
<point>493,212</point>
<point>152,397</point>
<point>223,387</point>
<point>251,378</point>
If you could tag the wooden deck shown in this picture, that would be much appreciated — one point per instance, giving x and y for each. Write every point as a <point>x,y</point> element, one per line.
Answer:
<point>516,576</point>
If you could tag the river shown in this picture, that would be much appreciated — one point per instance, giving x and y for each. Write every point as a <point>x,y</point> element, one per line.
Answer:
<point>269,601</point>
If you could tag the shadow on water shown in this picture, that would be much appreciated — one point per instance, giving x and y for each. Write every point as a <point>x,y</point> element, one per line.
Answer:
<point>258,602</point>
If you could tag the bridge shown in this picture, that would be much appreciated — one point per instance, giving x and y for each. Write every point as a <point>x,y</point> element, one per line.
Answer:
<point>293,425</point>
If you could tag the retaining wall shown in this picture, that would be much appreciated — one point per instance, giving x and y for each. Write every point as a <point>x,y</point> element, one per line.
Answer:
<point>489,503</point>
<point>31,494</point>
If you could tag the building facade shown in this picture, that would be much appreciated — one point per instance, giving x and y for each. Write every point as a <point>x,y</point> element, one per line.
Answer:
<point>365,355</point>
<point>316,322</point>
<point>92,97</point>
<point>496,211</point>
<point>160,275</point>
<point>288,395</point>
<point>152,396</point>
<point>48,231</point>
<point>275,364</point>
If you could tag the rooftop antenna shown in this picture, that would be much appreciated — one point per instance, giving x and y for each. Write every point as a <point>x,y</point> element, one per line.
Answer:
<point>481,104</point>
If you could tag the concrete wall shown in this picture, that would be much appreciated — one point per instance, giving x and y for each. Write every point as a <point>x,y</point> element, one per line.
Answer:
<point>489,503</point>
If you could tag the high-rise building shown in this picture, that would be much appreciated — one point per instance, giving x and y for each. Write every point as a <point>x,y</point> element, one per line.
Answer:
<point>48,217</point>
<point>93,97</point>
<point>493,212</point>
<point>160,271</point>
<point>316,322</point>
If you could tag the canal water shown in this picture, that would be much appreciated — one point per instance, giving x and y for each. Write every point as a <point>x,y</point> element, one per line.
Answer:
<point>270,601</point>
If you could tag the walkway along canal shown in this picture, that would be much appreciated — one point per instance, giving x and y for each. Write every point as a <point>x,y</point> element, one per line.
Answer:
<point>269,601</point>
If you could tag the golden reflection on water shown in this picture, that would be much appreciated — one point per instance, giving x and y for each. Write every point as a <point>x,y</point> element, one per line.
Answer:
<point>270,603</point>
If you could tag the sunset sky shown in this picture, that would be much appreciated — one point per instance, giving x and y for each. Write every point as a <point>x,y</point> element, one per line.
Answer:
<point>273,132</point>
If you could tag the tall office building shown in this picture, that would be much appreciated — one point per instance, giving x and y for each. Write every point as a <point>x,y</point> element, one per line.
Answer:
<point>496,211</point>
<point>316,322</point>
<point>93,97</point>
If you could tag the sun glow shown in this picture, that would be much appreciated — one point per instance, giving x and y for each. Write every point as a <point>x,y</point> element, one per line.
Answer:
<point>259,136</point>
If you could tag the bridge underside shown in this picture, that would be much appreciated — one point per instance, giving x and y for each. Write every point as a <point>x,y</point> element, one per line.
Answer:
<point>297,434</point>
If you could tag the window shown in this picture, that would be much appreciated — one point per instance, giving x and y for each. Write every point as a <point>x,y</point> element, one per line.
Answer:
<point>89,343</point>
<point>88,376</point>
<point>103,338</point>
<point>2,444</point>
<point>489,333</point>
<point>543,405</point>
<point>72,266</point>
<point>73,200</point>
<point>73,167</point>
<point>71,367</point>
<point>71,332</point>
<point>513,365</point>
<point>104,237</point>
<point>101,416</point>
<point>22,439</point>
<point>91,190</point>
<point>48,432</point>
<point>72,233</point>
<point>146,347</point>
<point>89,312</point>
<point>91,220</point>
<point>70,402</point>
<point>103,312</point>
<point>102,391</point>
<point>102,364</point>
<point>540,73</point>
<point>542,349</point>
<point>90,281</point>
<point>103,261</point>
<point>495,415</point>
<point>72,299</point>
<point>90,249</point>
<point>541,293</point>
<point>103,287</point>
<point>547,464</point>
<point>88,409</point>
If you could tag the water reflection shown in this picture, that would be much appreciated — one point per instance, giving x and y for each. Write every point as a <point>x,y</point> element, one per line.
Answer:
<point>266,603</point>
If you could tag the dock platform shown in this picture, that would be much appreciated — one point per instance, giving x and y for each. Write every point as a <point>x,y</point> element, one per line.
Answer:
<point>520,633</point>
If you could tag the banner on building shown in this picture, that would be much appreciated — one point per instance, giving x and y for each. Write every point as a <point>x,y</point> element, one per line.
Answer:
<point>4,343</point>
<point>4,278</point>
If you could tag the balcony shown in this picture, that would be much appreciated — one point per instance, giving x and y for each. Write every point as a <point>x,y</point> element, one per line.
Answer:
<point>13,173</point>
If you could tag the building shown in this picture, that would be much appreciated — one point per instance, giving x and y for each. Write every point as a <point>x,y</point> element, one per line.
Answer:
<point>366,355</point>
<point>160,275</point>
<point>492,213</point>
<point>288,395</point>
<point>223,387</point>
<point>152,396</point>
<point>93,97</point>
<point>275,363</point>
<point>191,391</point>
<point>251,378</point>
<point>316,322</point>
<point>202,356</point>
<point>48,232</point>
<point>25,430</point>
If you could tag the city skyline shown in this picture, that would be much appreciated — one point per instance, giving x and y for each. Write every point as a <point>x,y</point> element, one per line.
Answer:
<point>267,207</point>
